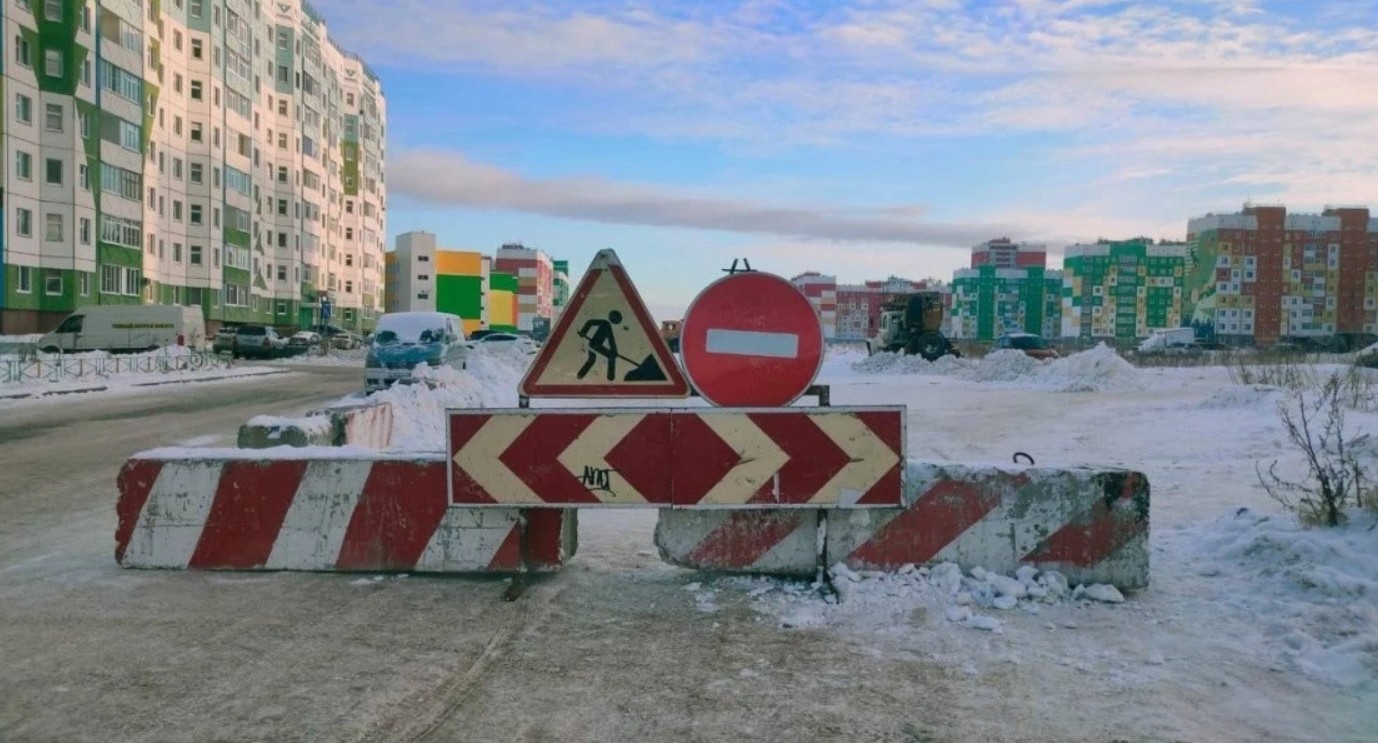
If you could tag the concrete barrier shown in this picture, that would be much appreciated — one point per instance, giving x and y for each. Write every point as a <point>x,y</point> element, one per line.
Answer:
<point>367,425</point>
<point>339,510</point>
<point>1092,525</point>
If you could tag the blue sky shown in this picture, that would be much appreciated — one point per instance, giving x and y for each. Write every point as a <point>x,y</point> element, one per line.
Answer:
<point>862,139</point>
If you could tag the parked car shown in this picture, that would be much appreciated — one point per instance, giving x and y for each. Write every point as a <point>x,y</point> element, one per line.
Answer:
<point>258,341</point>
<point>405,340</point>
<point>1032,345</point>
<point>504,340</point>
<point>127,328</point>
<point>337,336</point>
<point>224,340</point>
<point>303,341</point>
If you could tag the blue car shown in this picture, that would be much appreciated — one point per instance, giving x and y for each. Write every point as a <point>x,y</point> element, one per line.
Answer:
<point>405,340</point>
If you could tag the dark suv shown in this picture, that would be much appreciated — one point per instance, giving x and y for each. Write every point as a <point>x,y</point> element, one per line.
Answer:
<point>1032,345</point>
<point>258,341</point>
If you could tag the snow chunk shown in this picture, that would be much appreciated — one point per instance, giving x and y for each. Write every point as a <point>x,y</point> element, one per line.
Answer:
<point>1103,592</point>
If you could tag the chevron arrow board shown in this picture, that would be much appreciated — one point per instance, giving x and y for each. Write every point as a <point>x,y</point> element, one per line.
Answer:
<point>685,458</point>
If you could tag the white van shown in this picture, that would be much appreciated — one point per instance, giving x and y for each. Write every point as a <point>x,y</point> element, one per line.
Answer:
<point>404,340</point>
<point>127,328</point>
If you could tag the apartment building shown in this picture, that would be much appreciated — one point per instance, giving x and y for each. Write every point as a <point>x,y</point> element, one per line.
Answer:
<point>859,305</point>
<point>1122,290</point>
<point>1008,288</point>
<point>1261,275</point>
<point>821,290</point>
<point>219,153</point>
<point>535,274</point>
<point>419,276</point>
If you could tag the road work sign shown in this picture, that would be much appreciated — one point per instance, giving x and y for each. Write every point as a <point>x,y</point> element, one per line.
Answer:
<point>604,344</point>
<point>751,339</point>
<point>677,457</point>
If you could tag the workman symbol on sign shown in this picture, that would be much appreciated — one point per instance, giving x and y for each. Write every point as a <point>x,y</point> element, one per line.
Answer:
<point>602,341</point>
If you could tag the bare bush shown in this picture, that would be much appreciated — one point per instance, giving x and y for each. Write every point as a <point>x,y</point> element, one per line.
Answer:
<point>1291,376</point>
<point>1335,479</point>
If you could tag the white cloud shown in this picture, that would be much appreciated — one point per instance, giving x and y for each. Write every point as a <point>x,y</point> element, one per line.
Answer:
<point>450,178</point>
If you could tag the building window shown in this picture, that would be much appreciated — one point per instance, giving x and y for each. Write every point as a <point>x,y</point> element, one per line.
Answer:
<point>22,51</point>
<point>52,282</point>
<point>177,168</point>
<point>109,279</point>
<point>194,253</point>
<point>25,280</point>
<point>23,166</point>
<point>177,210</point>
<point>196,216</point>
<point>197,172</point>
<point>176,83</point>
<point>52,10</point>
<point>197,51</point>
<point>84,282</point>
<point>23,222</point>
<point>177,252</point>
<point>52,117</point>
<point>282,174</point>
<point>196,90</point>
<point>132,278</point>
<point>196,133</point>
<point>84,124</point>
<point>282,140</point>
<point>53,228</point>
<point>52,172</point>
<point>84,230</point>
<point>52,62</point>
<point>282,273</point>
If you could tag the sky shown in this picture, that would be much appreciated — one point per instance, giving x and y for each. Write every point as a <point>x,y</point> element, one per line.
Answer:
<point>860,139</point>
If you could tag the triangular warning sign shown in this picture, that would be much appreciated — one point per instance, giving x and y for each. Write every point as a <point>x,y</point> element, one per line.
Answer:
<point>604,344</point>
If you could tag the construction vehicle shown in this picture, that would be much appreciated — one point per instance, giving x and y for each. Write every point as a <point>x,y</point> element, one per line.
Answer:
<point>912,323</point>
<point>669,330</point>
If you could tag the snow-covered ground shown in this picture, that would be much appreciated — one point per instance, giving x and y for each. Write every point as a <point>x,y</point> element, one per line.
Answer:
<point>44,375</point>
<point>1245,605</point>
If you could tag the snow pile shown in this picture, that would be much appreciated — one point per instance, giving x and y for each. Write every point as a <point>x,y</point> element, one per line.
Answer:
<point>882,600</point>
<point>1097,370</point>
<point>333,357</point>
<point>418,410</point>
<point>1313,590</point>
<point>310,425</point>
<point>1242,396</point>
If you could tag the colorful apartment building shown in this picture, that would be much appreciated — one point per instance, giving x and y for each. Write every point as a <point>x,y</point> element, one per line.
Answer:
<point>1122,290</point>
<point>562,289</point>
<point>535,274</point>
<point>218,153</point>
<point>502,301</point>
<point>1261,275</point>
<point>821,291</point>
<point>1007,289</point>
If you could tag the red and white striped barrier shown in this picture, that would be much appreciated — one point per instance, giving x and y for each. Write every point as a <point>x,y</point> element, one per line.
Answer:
<point>1092,525</point>
<point>230,510</point>
<point>369,426</point>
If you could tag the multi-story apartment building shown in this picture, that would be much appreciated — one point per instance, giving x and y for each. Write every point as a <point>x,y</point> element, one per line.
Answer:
<point>535,274</point>
<point>1007,289</point>
<point>1261,274</point>
<point>421,277</point>
<point>821,291</point>
<point>1122,290</point>
<point>219,153</point>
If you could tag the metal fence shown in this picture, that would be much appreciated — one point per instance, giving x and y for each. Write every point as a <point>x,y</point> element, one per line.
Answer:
<point>59,368</point>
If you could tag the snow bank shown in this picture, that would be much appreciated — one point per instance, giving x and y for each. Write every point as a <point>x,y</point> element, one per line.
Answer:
<point>333,357</point>
<point>1099,369</point>
<point>418,411</point>
<point>1314,590</point>
<point>1243,396</point>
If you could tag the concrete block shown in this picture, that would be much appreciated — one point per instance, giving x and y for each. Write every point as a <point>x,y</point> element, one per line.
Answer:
<point>776,541</point>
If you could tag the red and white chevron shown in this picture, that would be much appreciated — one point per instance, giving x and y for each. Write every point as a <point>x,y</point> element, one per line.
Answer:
<point>723,457</point>
<point>1091,525</point>
<point>321,514</point>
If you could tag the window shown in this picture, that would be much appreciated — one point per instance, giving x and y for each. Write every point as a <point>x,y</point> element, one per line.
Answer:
<point>349,99</point>
<point>282,140</point>
<point>52,117</point>
<point>84,230</point>
<point>23,108</point>
<point>132,279</point>
<point>25,280</point>
<point>194,254</point>
<point>282,239</point>
<point>52,282</point>
<point>197,172</point>
<point>52,228</point>
<point>52,62</point>
<point>177,210</point>
<point>52,10</point>
<point>23,222</point>
<point>84,124</point>
<point>423,277</point>
<point>282,174</point>
<point>196,90</point>
<point>238,180</point>
<point>84,282</point>
<point>197,9</point>
<point>117,231</point>
<point>86,72</point>
<point>52,171</point>
<point>215,256</point>
<point>126,183</point>
<point>196,213</point>
<point>282,107</point>
<point>282,207</point>
<point>177,82</point>
<point>177,125</point>
<point>22,51</point>
<point>282,273</point>
<point>177,168</point>
<point>177,40</point>
<point>177,252</point>
<point>23,166</point>
<point>349,235</point>
<point>196,133</point>
<point>121,82</point>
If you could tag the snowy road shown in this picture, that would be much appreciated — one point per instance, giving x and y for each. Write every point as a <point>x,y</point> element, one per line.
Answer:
<point>622,647</point>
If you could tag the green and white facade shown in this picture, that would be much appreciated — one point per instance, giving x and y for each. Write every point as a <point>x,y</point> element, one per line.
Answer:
<point>988,301</point>
<point>220,153</point>
<point>1122,290</point>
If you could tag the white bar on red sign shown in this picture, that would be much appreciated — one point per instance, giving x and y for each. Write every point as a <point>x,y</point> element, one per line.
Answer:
<point>753,343</point>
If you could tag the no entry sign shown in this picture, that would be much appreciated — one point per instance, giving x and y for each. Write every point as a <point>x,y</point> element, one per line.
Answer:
<point>751,339</point>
